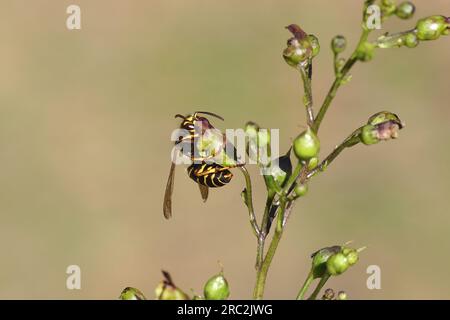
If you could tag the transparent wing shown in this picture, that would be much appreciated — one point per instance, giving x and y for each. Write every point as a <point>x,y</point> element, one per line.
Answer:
<point>204,190</point>
<point>167,206</point>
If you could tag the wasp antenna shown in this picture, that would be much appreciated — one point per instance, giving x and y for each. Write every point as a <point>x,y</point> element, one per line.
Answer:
<point>180,116</point>
<point>211,114</point>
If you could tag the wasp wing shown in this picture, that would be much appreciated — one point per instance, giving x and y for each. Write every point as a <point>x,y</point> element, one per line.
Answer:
<point>167,206</point>
<point>204,190</point>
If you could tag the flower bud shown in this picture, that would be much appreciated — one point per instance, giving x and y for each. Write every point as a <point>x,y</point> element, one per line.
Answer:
<point>166,291</point>
<point>384,116</point>
<point>351,255</point>
<point>337,264</point>
<point>301,190</point>
<point>366,51</point>
<point>315,45</point>
<point>405,10</point>
<point>216,288</point>
<point>341,296</point>
<point>381,126</point>
<point>300,48</point>
<point>297,54</point>
<point>251,129</point>
<point>306,145</point>
<point>313,163</point>
<point>320,258</point>
<point>130,293</point>
<point>328,294</point>
<point>388,8</point>
<point>264,138</point>
<point>431,28</point>
<point>410,40</point>
<point>338,44</point>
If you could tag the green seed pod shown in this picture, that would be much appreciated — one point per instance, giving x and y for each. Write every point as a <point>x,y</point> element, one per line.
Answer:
<point>251,129</point>
<point>405,10</point>
<point>431,28</point>
<point>306,145</point>
<point>315,45</point>
<point>410,40</point>
<point>216,288</point>
<point>368,135</point>
<point>388,8</point>
<point>366,51</point>
<point>337,264</point>
<point>166,291</point>
<point>301,190</point>
<point>338,44</point>
<point>341,296</point>
<point>130,293</point>
<point>320,258</point>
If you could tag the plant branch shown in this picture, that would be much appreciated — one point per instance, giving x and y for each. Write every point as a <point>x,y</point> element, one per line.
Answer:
<point>249,202</point>
<point>308,98</point>
<point>261,276</point>
<point>347,67</point>
<point>319,287</point>
<point>351,140</point>
<point>305,286</point>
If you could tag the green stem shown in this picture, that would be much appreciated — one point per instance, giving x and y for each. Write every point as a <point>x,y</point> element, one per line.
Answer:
<point>341,75</point>
<point>261,275</point>
<point>305,286</point>
<point>308,99</point>
<point>319,287</point>
<point>249,202</point>
<point>351,140</point>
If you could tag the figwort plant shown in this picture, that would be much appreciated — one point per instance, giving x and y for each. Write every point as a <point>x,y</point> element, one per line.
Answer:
<point>290,181</point>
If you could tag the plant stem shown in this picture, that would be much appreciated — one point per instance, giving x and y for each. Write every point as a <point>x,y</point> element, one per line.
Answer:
<point>332,92</point>
<point>261,275</point>
<point>249,202</point>
<point>305,286</point>
<point>308,99</point>
<point>351,140</point>
<point>341,75</point>
<point>319,287</point>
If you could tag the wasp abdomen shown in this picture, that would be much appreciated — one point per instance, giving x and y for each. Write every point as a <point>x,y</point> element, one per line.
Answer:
<point>210,175</point>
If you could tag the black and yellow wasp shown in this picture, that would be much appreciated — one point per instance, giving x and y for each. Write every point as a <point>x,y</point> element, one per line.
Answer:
<point>205,173</point>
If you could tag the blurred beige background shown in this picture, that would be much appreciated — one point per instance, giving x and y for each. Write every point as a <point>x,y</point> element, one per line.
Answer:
<point>85,121</point>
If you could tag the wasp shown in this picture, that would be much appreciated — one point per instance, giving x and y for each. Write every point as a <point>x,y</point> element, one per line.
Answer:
<point>205,173</point>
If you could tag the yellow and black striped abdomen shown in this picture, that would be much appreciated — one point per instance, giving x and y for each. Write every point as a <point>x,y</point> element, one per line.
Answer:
<point>210,175</point>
